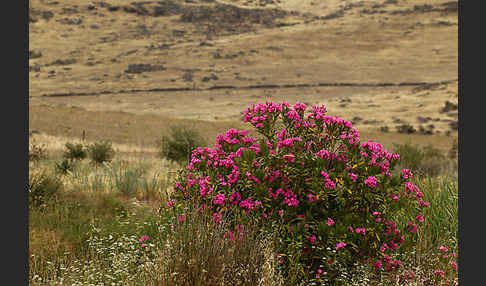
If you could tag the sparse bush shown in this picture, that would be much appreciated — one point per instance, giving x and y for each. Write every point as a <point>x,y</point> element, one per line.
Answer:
<point>42,187</point>
<point>37,152</point>
<point>179,145</point>
<point>329,200</point>
<point>448,106</point>
<point>74,151</point>
<point>384,129</point>
<point>64,166</point>
<point>427,160</point>
<point>100,152</point>
<point>34,54</point>
<point>406,128</point>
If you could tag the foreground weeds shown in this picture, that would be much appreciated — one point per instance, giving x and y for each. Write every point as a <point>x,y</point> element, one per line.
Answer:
<point>199,253</point>
<point>103,229</point>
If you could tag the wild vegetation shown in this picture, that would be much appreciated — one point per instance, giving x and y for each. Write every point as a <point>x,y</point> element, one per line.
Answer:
<point>122,94</point>
<point>125,222</point>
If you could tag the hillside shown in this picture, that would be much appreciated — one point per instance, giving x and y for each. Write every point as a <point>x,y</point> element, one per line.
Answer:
<point>381,64</point>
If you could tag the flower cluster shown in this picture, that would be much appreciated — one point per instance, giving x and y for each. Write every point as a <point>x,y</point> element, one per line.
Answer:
<point>312,182</point>
<point>142,239</point>
<point>447,273</point>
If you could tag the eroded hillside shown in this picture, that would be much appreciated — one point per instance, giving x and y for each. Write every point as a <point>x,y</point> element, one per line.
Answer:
<point>389,64</point>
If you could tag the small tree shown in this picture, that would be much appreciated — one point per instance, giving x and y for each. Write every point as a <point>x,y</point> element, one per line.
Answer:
<point>178,147</point>
<point>74,151</point>
<point>100,152</point>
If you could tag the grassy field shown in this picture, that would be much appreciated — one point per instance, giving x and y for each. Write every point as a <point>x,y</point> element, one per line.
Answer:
<point>96,215</point>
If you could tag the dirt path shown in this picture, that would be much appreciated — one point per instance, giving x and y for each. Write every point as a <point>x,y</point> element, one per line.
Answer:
<point>250,87</point>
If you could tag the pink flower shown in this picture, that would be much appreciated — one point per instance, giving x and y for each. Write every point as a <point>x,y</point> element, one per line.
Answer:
<point>170,203</point>
<point>311,197</point>
<point>219,199</point>
<point>181,219</point>
<point>353,176</point>
<point>230,235</point>
<point>329,184</point>
<point>290,157</point>
<point>280,213</point>
<point>340,245</point>
<point>378,264</point>
<point>351,229</point>
<point>420,218</point>
<point>371,182</point>
<point>323,154</point>
<point>330,222</point>
<point>396,263</point>
<point>407,173</point>
<point>319,272</point>
<point>402,240</point>
<point>423,204</point>
<point>361,230</point>
<point>217,217</point>
<point>439,272</point>
<point>412,226</point>
<point>312,239</point>
<point>443,248</point>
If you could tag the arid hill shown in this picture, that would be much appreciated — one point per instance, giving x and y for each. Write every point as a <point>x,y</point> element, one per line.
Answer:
<point>389,65</point>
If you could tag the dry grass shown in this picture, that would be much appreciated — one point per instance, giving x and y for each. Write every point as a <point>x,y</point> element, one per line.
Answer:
<point>137,134</point>
<point>377,46</point>
<point>121,127</point>
<point>354,48</point>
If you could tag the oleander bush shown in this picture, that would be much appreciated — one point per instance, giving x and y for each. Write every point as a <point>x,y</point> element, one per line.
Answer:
<point>329,199</point>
